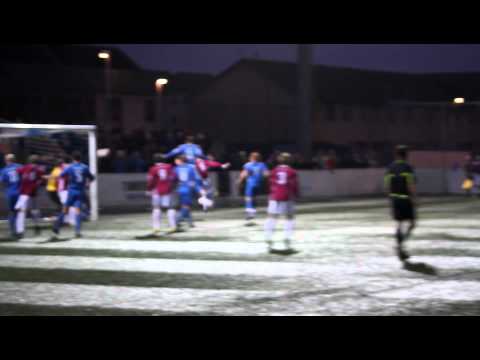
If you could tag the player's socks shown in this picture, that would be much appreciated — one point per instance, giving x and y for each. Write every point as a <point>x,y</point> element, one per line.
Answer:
<point>249,207</point>
<point>188,217</point>
<point>12,217</point>
<point>289,225</point>
<point>59,222</point>
<point>184,215</point>
<point>172,219</point>
<point>156,219</point>
<point>269,227</point>
<point>399,236</point>
<point>71,216</point>
<point>78,223</point>
<point>250,213</point>
<point>20,222</point>
<point>409,232</point>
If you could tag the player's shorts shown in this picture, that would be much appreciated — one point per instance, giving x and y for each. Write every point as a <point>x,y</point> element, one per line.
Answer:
<point>75,198</point>
<point>403,209</point>
<point>185,196</point>
<point>162,201</point>
<point>251,190</point>
<point>281,207</point>
<point>63,196</point>
<point>22,202</point>
<point>12,200</point>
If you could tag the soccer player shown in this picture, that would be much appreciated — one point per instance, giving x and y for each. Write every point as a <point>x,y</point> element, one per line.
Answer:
<point>253,172</point>
<point>188,181</point>
<point>78,176</point>
<point>57,187</point>
<point>10,178</point>
<point>283,191</point>
<point>190,150</point>
<point>400,183</point>
<point>52,184</point>
<point>202,166</point>
<point>160,182</point>
<point>31,178</point>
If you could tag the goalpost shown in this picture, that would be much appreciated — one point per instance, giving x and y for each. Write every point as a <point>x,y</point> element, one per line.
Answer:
<point>12,131</point>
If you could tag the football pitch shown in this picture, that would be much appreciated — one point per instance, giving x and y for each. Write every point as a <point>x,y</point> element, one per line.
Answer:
<point>345,266</point>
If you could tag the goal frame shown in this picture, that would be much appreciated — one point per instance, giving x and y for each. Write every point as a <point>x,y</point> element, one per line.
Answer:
<point>90,130</point>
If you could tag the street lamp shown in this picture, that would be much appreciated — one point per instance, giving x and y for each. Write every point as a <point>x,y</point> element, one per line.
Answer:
<point>159,86</point>
<point>160,83</point>
<point>106,56</point>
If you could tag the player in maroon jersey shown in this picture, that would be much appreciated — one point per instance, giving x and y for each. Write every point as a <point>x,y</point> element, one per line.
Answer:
<point>283,192</point>
<point>202,166</point>
<point>31,178</point>
<point>160,183</point>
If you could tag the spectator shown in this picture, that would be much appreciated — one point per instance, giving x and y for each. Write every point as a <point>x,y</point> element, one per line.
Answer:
<point>120,162</point>
<point>136,163</point>
<point>331,161</point>
<point>317,160</point>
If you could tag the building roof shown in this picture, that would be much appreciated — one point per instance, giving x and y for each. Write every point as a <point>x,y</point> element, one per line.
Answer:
<point>68,69</point>
<point>66,55</point>
<point>356,86</point>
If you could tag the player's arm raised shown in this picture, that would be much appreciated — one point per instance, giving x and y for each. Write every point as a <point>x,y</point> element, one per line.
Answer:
<point>178,150</point>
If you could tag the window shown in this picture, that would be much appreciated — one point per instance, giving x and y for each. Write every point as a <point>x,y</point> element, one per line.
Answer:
<point>149,111</point>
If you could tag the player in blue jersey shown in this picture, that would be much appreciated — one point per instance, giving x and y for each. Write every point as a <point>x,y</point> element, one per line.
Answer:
<point>253,173</point>
<point>10,178</point>
<point>188,183</point>
<point>190,150</point>
<point>78,177</point>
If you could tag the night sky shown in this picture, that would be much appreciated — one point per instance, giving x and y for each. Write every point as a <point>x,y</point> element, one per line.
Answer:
<point>213,58</point>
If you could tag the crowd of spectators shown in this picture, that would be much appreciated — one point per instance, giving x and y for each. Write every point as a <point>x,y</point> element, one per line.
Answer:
<point>133,153</point>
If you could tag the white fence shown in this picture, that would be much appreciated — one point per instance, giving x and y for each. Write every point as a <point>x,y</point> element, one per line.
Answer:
<point>127,191</point>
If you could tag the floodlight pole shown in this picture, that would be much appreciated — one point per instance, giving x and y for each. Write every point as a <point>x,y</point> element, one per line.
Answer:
<point>305,100</point>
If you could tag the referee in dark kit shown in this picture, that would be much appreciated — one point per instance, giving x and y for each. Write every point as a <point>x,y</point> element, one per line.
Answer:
<point>400,183</point>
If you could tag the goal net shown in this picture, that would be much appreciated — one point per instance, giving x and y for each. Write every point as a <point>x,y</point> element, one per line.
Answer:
<point>50,142</point>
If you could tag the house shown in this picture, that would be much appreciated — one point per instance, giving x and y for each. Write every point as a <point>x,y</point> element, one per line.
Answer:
<point>254,101</point>
<point>67,84</point>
